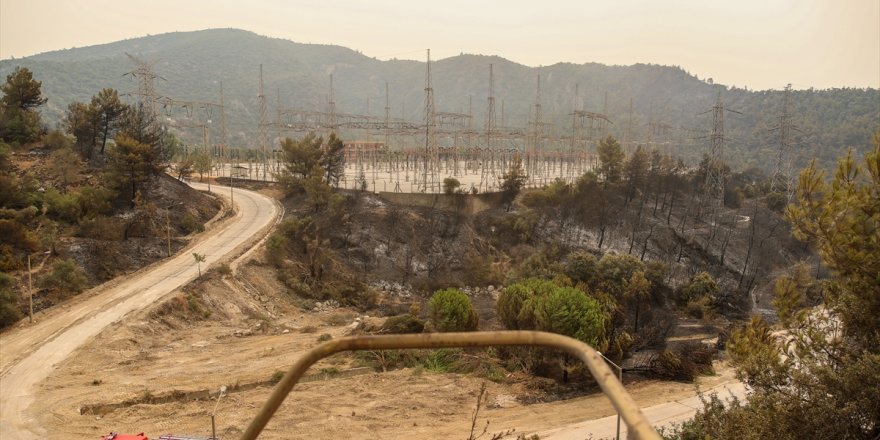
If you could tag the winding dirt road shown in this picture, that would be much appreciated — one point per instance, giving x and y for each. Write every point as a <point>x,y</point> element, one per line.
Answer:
<point>29,354</point>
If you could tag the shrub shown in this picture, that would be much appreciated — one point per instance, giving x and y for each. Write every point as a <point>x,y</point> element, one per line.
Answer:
<point>478,270</point>
<point>543,264</point>
<point>450,310</point>
<point>733,197</point>
<point>64,207</point>
<point>276,249</point>
<point>615,270</point>
<point>686,363</point>
<point>196,305</point>
<point>401,324</point>
<point>701,284</point>
<point>94,201</point>
<point>102,228</point>
<point>450,185</point>
<point>224,269</point>
<point>550,306</point>
<point>9,312</point>
<point>191,224</point>
<point>57,140</point>
<point>510,302</point>
<point>776,201</point>
<point>582,267</point>
<point>325,337</point>
<point>569,311</point>
<point>441,360</point>
<point>66,277</point>
<point>276,377</point>
<point>700,307</point>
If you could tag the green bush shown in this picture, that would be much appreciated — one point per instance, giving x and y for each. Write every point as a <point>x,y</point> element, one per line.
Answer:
<point>700,285</point>
<point>570,312</point>
<point>276,249</point>
<point>582,267</point>
<point>9,312</point>
<point>94,201</point>
<point>57,140</point>
<point>450,310</point>
<point>615,270</point>
<point>441,360</point>
<point>510,303</point>
<point>700,307</point>
<point>548,306</point>
<point>64,207</point>
<point>543,264</point>
<point>191,224</point>
<point>66,277</point>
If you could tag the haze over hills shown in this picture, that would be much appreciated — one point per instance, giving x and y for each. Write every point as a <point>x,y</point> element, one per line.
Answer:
<point>192,65</point>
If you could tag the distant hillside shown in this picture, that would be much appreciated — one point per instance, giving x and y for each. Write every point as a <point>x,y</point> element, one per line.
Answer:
<point>194,63</point>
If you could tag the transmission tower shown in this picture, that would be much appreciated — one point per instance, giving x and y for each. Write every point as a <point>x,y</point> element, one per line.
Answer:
<point>575,129</point>
<point>264,117</point>
<point>146,91</point>
<point>387,119</point>
<point>490,112</point>
<point>536,131</point>
<point>781,181</point>
<point>430,122</point>
<point>603,124</point>
<point>714,185</point>
<point>332,105</point>
<point>222,117</point>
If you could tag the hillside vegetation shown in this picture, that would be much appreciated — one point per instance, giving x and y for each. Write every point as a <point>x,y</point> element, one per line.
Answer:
<point>192,65</point>
<point>76,210</point>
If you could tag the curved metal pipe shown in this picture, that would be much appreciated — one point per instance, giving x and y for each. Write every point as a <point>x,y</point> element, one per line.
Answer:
<point>638,425</point>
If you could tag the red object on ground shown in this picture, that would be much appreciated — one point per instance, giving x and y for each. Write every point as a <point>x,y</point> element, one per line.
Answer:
<point>115,436</point>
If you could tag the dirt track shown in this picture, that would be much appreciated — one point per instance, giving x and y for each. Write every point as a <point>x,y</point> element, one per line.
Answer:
<point>30,354</point>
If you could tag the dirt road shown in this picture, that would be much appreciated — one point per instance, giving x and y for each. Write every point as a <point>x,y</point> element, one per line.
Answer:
<point>29,354</point>
<point>662,415</point>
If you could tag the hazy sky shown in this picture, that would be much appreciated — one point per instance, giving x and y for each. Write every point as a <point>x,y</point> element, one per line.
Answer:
<point>755,43</point>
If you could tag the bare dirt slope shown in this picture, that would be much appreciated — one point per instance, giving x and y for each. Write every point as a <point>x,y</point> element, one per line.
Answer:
<point>156,373</point>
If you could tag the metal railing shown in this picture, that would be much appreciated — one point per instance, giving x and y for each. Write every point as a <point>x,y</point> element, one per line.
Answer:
<point>638,425</point>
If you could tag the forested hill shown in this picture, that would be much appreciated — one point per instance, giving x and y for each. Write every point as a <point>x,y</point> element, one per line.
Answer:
<point>192,65</point>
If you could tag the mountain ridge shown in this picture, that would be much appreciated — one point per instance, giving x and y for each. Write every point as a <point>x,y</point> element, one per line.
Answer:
<point>296,75</point>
